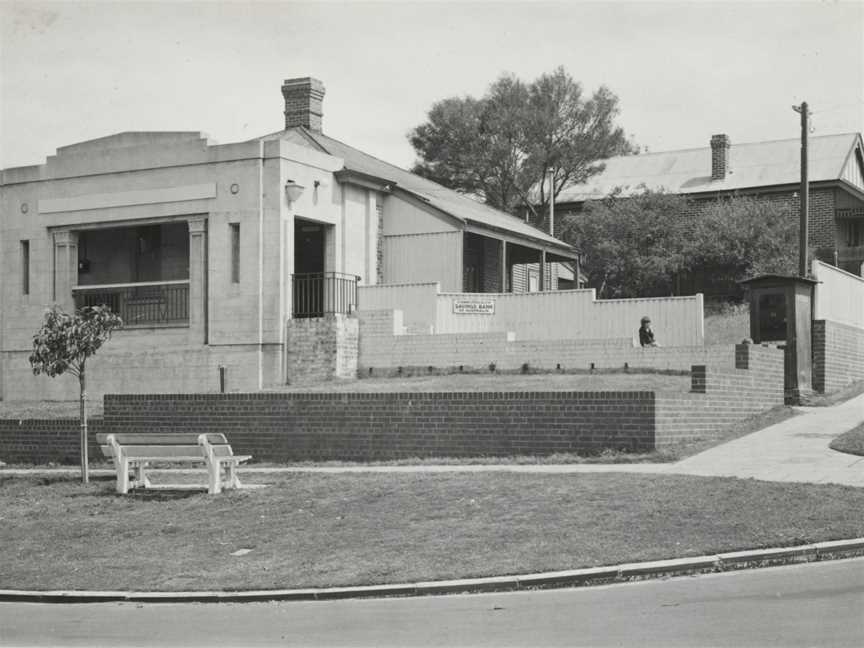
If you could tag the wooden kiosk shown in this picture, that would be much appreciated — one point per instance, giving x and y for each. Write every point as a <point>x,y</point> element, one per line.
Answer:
<point>781,310</point>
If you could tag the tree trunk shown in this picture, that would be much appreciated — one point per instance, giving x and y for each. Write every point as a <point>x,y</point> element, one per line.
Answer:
<point>82,383</point>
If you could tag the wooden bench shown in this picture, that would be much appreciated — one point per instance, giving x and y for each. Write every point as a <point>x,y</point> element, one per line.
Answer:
<point>135,452</point>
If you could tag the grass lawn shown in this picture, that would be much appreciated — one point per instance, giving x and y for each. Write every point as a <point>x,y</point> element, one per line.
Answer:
<point>726,323</point>
<point>309,530</point>
<point>852,442</point>
<point>605,381</point>
<point>48,409</point>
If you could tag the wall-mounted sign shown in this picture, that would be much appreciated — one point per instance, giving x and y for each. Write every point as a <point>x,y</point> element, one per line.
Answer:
<point>474,306</point>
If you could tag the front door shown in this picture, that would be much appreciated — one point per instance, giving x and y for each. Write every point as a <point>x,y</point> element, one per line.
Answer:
<point>308,269</point>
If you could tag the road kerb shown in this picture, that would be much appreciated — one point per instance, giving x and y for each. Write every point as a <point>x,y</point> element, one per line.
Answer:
<point>736,560</point>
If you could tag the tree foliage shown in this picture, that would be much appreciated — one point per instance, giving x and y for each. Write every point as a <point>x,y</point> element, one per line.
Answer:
<point>63,344</point>
<point>499,148</point>
<point>64,341</point>
<point>642,245</point>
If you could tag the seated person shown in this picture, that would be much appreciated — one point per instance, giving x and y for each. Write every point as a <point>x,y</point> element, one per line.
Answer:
<point>646,335</point>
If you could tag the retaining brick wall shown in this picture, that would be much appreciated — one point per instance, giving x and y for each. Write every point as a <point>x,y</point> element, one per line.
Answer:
<point>44,441</point>
<point>721,396</point>
<point>384,353</point>
<point>838,355</point>
<point>290,427</point>
<point>320,426</point>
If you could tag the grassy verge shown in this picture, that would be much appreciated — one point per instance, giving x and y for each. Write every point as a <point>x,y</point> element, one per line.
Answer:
<point>852,442</point>
<point>606,380</point>
<point>306,530</point>
<point>826,400</point>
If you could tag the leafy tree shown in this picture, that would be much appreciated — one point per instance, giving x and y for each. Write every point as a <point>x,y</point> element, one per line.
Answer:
<point>638,246</point>
<point>739,237</point>
<point>63,344</point>
<point>500,147</point>
<point>632,246</point>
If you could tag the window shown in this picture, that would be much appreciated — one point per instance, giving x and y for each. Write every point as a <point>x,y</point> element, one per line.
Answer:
<point>235,252</point>
<point>25,267</point>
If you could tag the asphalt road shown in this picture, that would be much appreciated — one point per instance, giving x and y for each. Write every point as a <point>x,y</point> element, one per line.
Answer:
<point>819,604</point>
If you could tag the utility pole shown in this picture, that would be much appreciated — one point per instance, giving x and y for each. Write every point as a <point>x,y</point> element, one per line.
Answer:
<point>805,190</point>
<point>551,201</point>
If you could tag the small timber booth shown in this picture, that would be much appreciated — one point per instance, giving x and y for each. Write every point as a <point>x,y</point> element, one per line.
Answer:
<point>781,310</point>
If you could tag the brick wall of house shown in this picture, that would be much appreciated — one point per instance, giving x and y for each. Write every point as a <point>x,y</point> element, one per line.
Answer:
<point>838,355</point>
<point>321,348</point>
<point>491,259</point>
<point>379,242</point>
<point>722,395</point>
<point>43,441</point>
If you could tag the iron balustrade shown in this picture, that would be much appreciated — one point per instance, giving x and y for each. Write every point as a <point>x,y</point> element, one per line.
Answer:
<point>156,303</point>
<point>324,293</point>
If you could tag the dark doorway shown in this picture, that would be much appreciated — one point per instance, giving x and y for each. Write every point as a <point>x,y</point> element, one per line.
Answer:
<point>308,268</point>
<point>308,247</point>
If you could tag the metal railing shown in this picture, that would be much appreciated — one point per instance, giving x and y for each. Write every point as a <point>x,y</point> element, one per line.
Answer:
<point>152,303</point>
<point>324,293</point>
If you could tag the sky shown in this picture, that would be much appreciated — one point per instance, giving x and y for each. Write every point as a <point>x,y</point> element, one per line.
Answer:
<point>73,71</point>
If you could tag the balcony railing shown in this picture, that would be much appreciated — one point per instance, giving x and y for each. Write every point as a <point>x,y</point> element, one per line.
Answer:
<point>324,293</point>
<point>146,304</point>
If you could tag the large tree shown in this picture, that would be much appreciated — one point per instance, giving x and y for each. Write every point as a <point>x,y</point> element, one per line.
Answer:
<point>641,245</point>
<point>500,147</point>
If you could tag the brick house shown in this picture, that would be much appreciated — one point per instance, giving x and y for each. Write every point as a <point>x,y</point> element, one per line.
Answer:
<point>767,170</point>
<point>207,251</point>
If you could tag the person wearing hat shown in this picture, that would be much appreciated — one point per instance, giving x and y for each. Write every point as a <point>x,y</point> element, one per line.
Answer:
<point>646,335</point>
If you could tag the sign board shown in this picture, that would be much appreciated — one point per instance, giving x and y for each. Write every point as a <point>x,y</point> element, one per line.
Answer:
<point>474,306</point>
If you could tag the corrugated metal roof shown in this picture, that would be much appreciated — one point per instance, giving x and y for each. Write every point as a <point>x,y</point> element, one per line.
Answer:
<point>758,164</point>
<point>451,202</point>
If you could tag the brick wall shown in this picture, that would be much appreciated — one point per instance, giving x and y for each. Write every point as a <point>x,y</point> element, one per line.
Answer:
<point>722,395</point>
<point>385,353</point>
<point>44,441</point>
<point>379,243</point>
<point>321,348</point>
<point>491,274</point>
<point>838,355</point>
<point>292,427</point>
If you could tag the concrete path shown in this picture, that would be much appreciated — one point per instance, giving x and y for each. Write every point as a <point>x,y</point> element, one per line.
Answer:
<point>795,450</point>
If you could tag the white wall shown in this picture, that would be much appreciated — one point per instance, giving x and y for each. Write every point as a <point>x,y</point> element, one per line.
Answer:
<point>416,301</point>
<point>423,258</point>
<point>576,314</point>
<point>839,295</point>
<point>558,315</point>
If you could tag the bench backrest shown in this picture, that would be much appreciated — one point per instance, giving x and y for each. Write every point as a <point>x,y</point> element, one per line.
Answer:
<point>158,438</point>
<point>179,444</point>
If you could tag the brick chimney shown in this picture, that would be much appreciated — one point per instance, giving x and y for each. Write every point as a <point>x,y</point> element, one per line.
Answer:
<point>303,103</point>
<point>719,156</point>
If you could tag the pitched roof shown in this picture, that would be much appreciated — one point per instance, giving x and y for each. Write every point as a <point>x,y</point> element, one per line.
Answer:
<point>447,200</point>
<point>757,164</point>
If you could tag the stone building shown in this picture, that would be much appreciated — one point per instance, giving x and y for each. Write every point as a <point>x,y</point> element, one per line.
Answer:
<point>209,251</point>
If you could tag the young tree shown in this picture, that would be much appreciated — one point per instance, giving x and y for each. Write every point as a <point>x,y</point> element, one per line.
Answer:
<point>63,344</point>
<point>499,148</point>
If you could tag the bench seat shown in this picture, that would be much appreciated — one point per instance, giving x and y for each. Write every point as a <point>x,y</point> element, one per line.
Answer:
<point>134,452</point>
